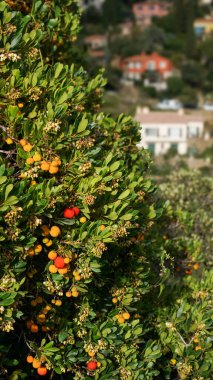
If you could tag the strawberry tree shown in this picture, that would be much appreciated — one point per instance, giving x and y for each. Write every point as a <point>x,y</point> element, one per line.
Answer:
<point>80,241</point>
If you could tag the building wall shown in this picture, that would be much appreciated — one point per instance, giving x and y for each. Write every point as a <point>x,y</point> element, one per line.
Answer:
<point>149,10</point>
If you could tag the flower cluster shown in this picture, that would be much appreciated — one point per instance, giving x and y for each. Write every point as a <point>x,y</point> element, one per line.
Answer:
<point>85,167</point>
<point>13,215</point>
<point>89,200</point>
<point>8,29</point>
<point>99,248</point>
<point>85,143</point>
<point>52,126</point>
<point>9,56</point>
<point>35,93</point>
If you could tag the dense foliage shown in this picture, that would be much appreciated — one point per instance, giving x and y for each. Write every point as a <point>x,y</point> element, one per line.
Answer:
<point>86,247</point>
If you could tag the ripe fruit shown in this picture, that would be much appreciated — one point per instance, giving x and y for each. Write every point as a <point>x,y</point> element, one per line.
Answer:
<point>53,269</point>
<point>114,300</point>
<point>78,277</point>
<point>36,363</point>
<point>197,348</point>
<point>42,371</point>
<point>49,243</point>
<point>52,255</point>
<point>83,219</point>
<point>45,166</point>
<point>67,260</point>
<point>91,354</point>
<point>75,293</point>
<point>196,266</point>
<point>20,105</point>
<point>39,299</point>
<point>59,262</point>
<point>38,248</point>
<point>92,365</point>
<point>121,320</point>
<point>53,169</point>
<point>33,303</point>
<point>76,210</point>
<point>34,328</point>
<point>29,359</point>
<point>126,315</point>
<point>23,142</point>
<point>63,270</point>
<point>45,230</point>
<point>55,231</point>
<point>69,213</point>
<point>173,361</point>
<point>102,227</point>
<point>27,147</point>
<point>9,141</point>
<point>68,294</point>
<point>58,303</point>
<point>30,161</point>
<point>37,157</point>
<point>55,163</point>
<point>196,339</point>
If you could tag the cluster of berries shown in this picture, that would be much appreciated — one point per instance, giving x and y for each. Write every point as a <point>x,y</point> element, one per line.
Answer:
<point>60,263</point>
<point>71,212</point>
<point>36,363</point>
<point>122,317</point>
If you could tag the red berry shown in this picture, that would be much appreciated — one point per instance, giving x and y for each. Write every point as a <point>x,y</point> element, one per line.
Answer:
<point>69,213</point>
<point>59,262</point>
<point>92,365</point>
<point>76,210</point>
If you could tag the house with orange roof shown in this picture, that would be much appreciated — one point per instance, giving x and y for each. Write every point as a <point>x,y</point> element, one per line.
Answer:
<point>203,26</point>
<point>135,66</point>
<point>144,12</point>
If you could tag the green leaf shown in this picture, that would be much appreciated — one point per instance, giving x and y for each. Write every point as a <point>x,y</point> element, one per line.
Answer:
<point>82,126</point>
<point>126,217</point>
<point>124,194</point>
<point>7,191</point>
<point>58,68</point>
<point>114,166</point>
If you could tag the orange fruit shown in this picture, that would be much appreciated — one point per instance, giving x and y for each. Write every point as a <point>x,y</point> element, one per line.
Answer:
<point>53,169</point>
<point>102,227</point>
<point>29,359</point>
<point>75,293</point>
<point>29,324</point>
<point>36,363</point>
<point>196,339</point>
<point>114,300</point>
<point>42,371</point>
<point>33,303</point>
<point>45,166</point>
<point>68,294</point>
<point>62,270</point>
<point>196,266</point>
<point>33,183</point>
<point>58,303</point>
<point>39,299</point>
<point>38,248</point>
<point>37,157</point>
<point>197,348</point>
<point>91,354</point>
<point>30,161</point>
<point>55,231</point>
<point>52,255</point>
<point>23,142</point>
<point>31,252</point>
<point>41,317</point>
<point>126,315</point>
<point>121,320</point>
<point>78,277</point>
<point>53,269</point>
<point>45,240</point>
<point>34,328</point>
<point>20,105</point>
<point>67,260</point>
<point>49,243</point>
<point>27,147</point>
<point>55,163</point>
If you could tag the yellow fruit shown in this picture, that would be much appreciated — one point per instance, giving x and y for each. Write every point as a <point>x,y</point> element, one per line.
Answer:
<point>53,169</point>
<point>33,183</point>
<point>55,231</point>
<point>83,219</point>
<point>9,141</point>
<point>36,363</point>
<point>23,142</point>
<point>78,278</point>
<point>52,255</point>
<point>27,148</point>
<point>45,240</point>
<point>20,105</point>
<point>196,339</point>
<point>38,248</point>
<point>53,302</point>
<point>33,303</point>
<point>173,361</point>
<point>196,266</point>
<point>30,161</point>
<point>49,243</point>
<point>198,348</point>
<point>37,157</point>
<point>67,260</point>
<point>53,269</point>
<point>41,317</point>
<point>75,293</point>
<point>91,354</point>
<point>58,160</point>
<point>45,166</point>
<point>75,273</point>
<point>58,303</point>
<point>55,163</point>
<point>48,307</point>
<point>98,364</point>
<point>126,315</point>
<point>102,227</point>
<point>62,270</point>
<point>121,320</point>
<point>114,300</point>
<point>68,294</point>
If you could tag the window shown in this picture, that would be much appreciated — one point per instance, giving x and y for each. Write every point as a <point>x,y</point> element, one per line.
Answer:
<point>151,65</point>
<point>137,65</point>
<point>153,132</point>
<point>131,65</point>
<point>175,132</point>
<point>162,64</point>
<point>151,147</point>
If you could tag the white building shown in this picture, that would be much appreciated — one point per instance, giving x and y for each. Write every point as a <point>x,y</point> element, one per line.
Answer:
<point>161,131</point>
<point>87,3</point>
